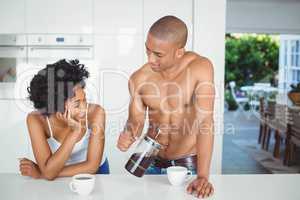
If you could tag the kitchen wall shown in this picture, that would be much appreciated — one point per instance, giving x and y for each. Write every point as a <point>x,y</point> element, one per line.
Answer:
<point>119,29</point>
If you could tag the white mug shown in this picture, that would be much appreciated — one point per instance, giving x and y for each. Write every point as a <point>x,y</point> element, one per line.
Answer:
<point>178,175</point>
<point>83,184</point>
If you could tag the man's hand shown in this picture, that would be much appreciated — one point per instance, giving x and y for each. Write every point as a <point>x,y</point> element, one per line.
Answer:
<point>29,168</point>
<point>125,140</point>
<point>201,187</point>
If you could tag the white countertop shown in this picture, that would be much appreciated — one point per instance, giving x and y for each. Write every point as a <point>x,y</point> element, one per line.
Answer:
<point>127,187</point>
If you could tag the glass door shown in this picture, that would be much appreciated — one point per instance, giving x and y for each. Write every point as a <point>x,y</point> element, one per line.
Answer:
<point>289,69</point>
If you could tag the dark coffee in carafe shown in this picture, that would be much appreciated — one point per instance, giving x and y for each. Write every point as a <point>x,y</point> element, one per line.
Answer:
<point>138,167</point>
<point>144,155</point>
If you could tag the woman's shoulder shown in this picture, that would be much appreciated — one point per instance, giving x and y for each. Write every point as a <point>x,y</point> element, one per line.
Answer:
<point>35,116</point>
<point>35,121</point>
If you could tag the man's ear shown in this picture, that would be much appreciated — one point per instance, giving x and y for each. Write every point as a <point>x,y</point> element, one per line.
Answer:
<point>180,52</point>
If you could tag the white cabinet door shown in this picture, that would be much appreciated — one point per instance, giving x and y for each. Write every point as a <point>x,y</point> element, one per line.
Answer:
<point>14,137</point>
<point>59,16</point>
<point>118,17</point>
<point>155,9</point>
<point>12,16</point>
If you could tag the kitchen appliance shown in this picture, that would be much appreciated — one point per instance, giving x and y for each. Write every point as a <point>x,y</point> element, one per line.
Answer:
<point>13,54</point>
<point>45,49</point>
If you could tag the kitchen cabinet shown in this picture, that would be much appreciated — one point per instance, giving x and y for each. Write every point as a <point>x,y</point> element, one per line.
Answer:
<point>59,16</point>
<point>14,137</point>
<point>118,17</point>
<point>12,14</point>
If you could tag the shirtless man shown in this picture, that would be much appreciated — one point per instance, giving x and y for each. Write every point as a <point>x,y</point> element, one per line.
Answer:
<point>176,89</point>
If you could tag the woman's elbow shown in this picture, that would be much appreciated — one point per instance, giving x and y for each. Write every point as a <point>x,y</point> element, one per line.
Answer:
<point>49,176</point>
<point>93,168</point>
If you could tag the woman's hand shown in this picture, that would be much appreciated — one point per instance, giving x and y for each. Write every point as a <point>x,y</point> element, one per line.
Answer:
<point>67,116</point>
<point>29,168</point>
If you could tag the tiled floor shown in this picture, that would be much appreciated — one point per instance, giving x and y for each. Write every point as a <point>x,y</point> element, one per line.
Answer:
<point>235,160</point>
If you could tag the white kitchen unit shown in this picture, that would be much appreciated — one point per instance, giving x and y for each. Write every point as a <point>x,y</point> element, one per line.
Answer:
<point>128,49</point>
<point>155,9</point>
<point>13,55</point>
<point>116,57</point>
<point>12,16</point>
<point>60,46</point>
<point>46,49</point>
<point>14,139</point>
<point>118,17</point>
<point>119,50</point>
<point>114,73</point>
<point>59,16</point>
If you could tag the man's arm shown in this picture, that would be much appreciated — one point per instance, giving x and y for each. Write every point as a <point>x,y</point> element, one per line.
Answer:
<point>203,125</point>
<point>136,115</point>
<point>204,105</point>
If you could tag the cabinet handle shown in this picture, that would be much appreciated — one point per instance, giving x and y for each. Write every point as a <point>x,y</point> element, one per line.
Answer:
<point>13,47</point>
<point>60,48</point>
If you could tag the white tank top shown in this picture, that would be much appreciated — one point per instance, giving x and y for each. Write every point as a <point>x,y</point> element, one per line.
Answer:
<point>79,152</point>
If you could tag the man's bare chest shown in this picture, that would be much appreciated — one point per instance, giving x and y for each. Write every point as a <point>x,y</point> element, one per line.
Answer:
<point>168,96</point>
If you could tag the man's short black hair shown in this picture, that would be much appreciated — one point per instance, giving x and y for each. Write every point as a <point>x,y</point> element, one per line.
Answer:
<point>54,84</point>
<point>170,28</point>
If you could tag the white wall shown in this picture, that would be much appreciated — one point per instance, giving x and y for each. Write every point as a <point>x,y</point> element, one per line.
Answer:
<point>209,40</point>
<point>246,16</point>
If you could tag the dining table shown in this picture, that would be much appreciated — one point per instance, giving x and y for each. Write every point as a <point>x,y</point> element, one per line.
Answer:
<point>251,90</point>
<point>154,187</point>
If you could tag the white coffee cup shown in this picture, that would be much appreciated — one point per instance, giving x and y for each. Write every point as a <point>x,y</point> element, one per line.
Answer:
<point>178,175</point>
<point>83,184</point>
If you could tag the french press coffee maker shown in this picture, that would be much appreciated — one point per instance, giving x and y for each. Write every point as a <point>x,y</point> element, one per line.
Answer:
<point>143,156</point>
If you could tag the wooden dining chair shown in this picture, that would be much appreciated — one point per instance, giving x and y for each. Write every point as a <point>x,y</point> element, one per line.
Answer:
<point>280,128</point>
<point>269,124</point>
<point>293,135</point>
<point>262,115</point>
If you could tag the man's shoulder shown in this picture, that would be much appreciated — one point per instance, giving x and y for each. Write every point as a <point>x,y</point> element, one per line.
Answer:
<point>199,63</point>
<point>142,74</point>
<point>200,66</point>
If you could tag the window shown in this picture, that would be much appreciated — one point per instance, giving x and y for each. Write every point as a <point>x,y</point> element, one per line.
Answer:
<point>289,67</point>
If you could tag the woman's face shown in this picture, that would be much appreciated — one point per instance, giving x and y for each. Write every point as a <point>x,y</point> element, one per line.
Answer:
<point>77,104</point>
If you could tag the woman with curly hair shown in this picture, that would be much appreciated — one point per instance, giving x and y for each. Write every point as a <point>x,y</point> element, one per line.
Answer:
<point>66,132</point>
